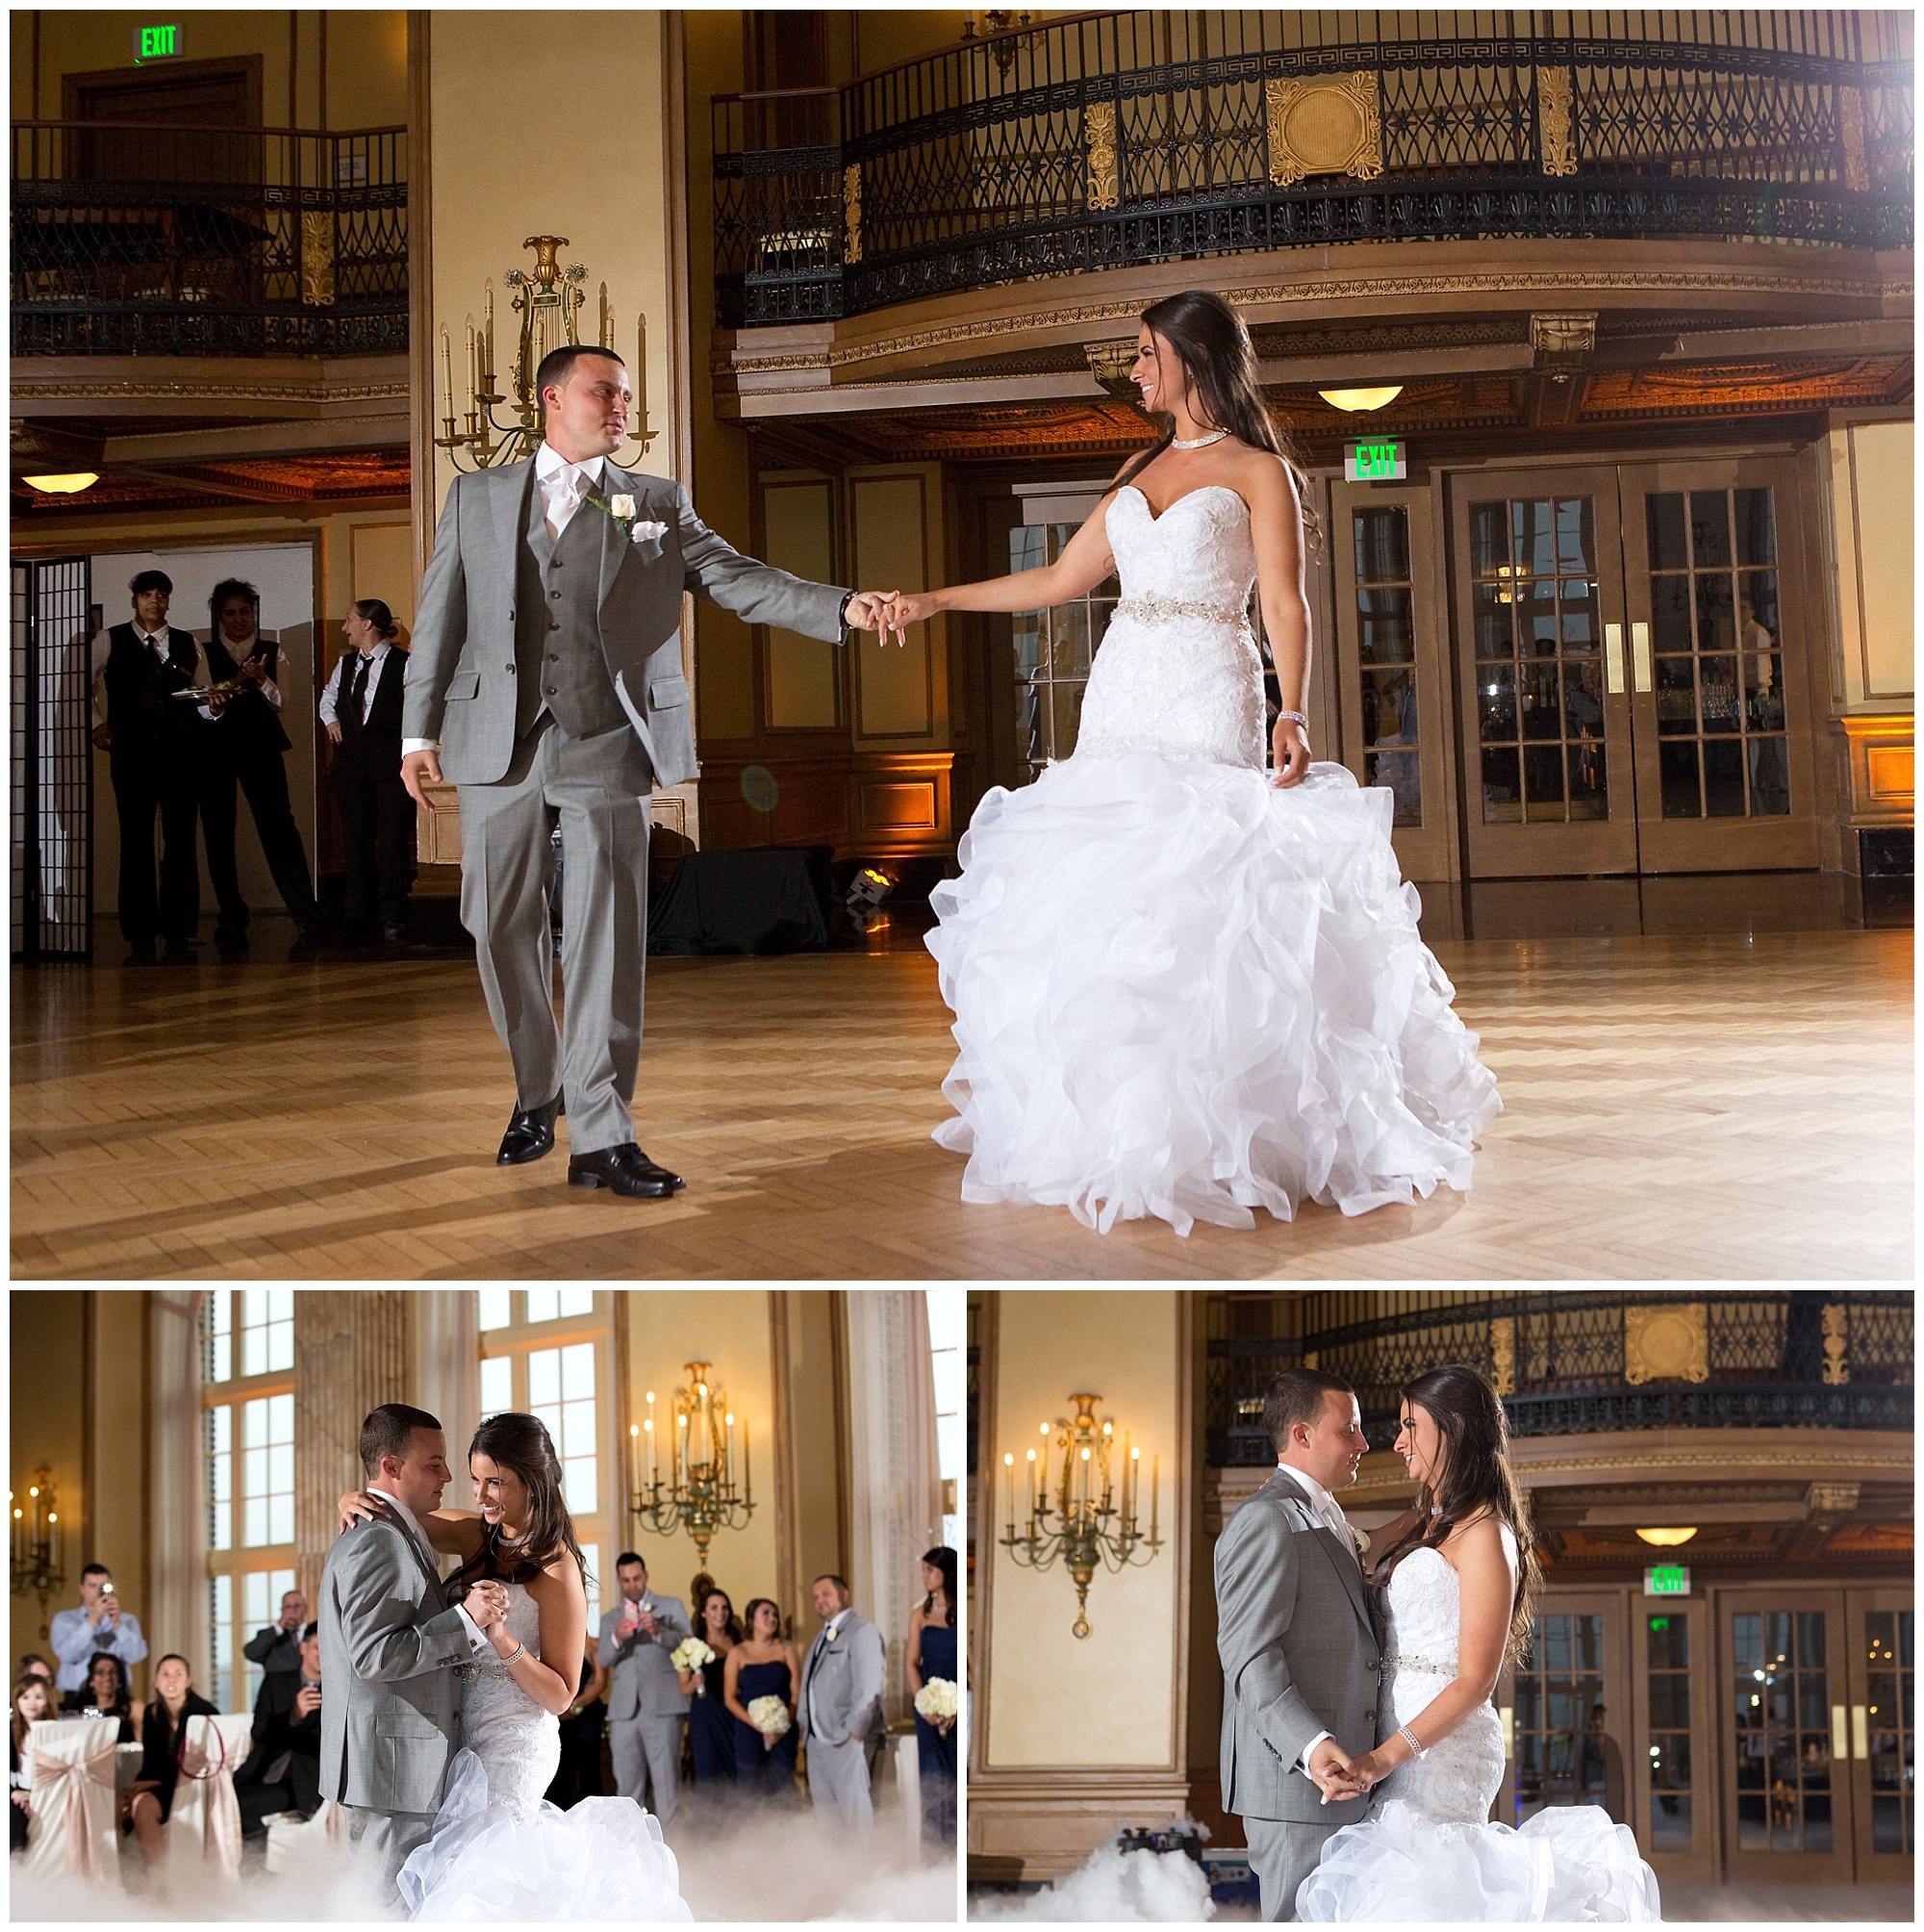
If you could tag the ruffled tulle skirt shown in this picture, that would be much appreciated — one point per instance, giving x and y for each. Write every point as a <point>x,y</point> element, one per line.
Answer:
<point>1567,1866</point>
<point>604,1859</point>
<point>1179,991</point>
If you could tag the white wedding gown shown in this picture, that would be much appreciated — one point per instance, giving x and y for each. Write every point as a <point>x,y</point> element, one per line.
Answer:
<point>1178,990</point>
<point>1427,1852</point>
<point>499,1851</point>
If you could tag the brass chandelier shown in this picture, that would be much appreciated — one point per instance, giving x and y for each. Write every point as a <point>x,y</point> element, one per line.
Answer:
<point>700,1493</point>
<point>39,1541</point>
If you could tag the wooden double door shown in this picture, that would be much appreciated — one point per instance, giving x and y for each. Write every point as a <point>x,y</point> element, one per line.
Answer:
<point>1587,669</point>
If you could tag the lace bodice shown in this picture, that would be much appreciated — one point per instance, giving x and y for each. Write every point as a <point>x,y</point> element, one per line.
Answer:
<point>518,1744</point>
<point>1457,1779</point>
<point>1177,673</point>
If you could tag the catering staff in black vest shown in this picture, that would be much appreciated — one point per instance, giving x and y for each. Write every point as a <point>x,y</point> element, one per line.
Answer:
<point>154,742</point>
<point>362,710</point>
<point>253,745</point>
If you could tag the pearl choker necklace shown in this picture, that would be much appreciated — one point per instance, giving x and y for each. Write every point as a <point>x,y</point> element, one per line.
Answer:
<point>1197,442</point>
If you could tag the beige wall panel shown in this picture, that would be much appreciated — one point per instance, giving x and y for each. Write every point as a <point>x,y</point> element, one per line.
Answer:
<point>367,68</point>
<point>798,520</point>
<point>1054,1698</point>
<point>729,1331</point>
<point>890,515</point>
<point>816,1535</point>
<point>47,1336</point>
<point>116,1463</point>
<point>381,565</point>
<point>1885,492</point>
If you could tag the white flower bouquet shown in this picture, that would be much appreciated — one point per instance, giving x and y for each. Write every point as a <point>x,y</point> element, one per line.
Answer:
<point>937,1701</point>
<point>768,1715</point>
<point>691,1654</point>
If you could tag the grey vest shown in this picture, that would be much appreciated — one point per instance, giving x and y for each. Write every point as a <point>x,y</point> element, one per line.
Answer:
<point>559,665</point>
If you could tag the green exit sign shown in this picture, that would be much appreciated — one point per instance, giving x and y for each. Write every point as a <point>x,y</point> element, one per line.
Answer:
<point>1667,1580</point>
<point>1384,461</point>
<point>167,42</point>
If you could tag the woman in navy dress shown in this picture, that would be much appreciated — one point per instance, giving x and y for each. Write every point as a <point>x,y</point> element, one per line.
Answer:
<point>763,1664</point>
<point>931,1653</point>
<point>711,1730</point>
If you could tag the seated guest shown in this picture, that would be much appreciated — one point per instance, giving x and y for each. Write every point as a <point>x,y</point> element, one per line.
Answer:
<point>146,1803</point>
<point>931,1653</point>
<point>248,748</point>
<point>105,1695</point>
<point>711,1729</point>
<point>282,1772</point>
<point>154,740</point>
<point>33,1703</point>
<point>33,1664</point>
<point>277,1649</point>
<point>362,710</point>
<point>578,1774</point>
<point>99,1624</point>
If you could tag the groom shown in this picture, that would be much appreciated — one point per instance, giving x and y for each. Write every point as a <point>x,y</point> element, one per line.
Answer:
<point>389,1640</point>
<point>545,681</point>
<point>1302,1658</point>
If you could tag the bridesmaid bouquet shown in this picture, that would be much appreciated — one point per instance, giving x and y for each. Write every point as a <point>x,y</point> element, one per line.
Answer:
<point>936,1701</point>
<point>689,1654</point>
<point>768,1715</point>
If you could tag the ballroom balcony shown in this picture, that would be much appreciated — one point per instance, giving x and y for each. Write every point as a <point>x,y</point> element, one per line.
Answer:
<point>152,241</point>
<point>1122,139</point>
<point>1574,1363</point>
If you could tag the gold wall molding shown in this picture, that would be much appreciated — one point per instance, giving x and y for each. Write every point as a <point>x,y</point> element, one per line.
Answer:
<point>1850,124</point>
<point>1667,1343</point>
<point>1099,140</point>
<point>1503,1354</point>
<point>851,212</point>
<point>317,258</point>
<point>28,391</point>
<point>1554,143</point>
<point>1836,1369</point>
<point>1331,125</point>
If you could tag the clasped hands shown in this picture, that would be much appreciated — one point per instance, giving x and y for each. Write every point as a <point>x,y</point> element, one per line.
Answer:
<point>1339,1776</point>
<point>488,1605</point>
<point>889,612</point>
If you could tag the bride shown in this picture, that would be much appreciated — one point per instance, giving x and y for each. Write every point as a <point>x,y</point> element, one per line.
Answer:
<point>497,1851</point>
<point>1461,1579</point>
<point>1182,986</point>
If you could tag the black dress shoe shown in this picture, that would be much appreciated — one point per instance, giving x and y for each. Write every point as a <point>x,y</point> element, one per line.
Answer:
<point>530,1136</point>
<point>141,952</point>
<point>394,931</point>
<point>181,952</point>
<point>626,1169</point>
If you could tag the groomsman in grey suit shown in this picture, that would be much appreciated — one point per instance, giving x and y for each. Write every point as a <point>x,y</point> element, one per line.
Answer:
<point>1298,1637</point>
<point>389,1643</point>
<point>545,681</point>
<point>646,1707</point>
<point>841,1704</point>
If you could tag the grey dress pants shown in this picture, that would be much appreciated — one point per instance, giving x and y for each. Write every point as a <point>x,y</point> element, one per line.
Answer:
<point>1283,1854</point>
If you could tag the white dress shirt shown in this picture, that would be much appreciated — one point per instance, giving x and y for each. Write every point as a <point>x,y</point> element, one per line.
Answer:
<point>160,641</point>
<point>241,652</point>
<point>822,1637</point>
<point>332,691</point>
<point>562,485</point>
<point>412,1523</point>
<point>1327,1507</point>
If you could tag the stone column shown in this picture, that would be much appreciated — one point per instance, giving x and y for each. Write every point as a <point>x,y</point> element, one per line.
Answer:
<point>353,1350</point>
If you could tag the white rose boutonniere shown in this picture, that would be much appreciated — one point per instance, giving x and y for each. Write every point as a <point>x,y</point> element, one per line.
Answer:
<point>1362,1543</point>
<point>620,510</point>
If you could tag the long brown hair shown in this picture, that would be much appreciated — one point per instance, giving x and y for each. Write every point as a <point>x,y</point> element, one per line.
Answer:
<point>52,1702</point>
<point>1476,1476</point>
<point>521,1443</point>
<point>1214,348</point>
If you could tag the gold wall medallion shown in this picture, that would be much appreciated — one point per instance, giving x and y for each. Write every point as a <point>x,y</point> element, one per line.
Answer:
<point>1325,126</point>
<point>1667,1343</point>
<point>1554,143</point>
<point>851,212</point>
<point>1850,125</point>
<point>1099,137</point>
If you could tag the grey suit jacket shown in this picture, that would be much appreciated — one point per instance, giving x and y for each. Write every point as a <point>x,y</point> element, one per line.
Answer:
<point>842,1684</point>
<point>644,1681</point>
<point>1301,1653</point>
<point>388,1642</point>
<point>461,665</point>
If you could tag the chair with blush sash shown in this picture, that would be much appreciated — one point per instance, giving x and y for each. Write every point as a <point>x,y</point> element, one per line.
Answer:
<point>292,1838</point>
<point>73,1830</point>
<point>205,1821</point>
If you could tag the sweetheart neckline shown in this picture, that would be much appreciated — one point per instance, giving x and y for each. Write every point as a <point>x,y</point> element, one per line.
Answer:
<point>1200,490</point>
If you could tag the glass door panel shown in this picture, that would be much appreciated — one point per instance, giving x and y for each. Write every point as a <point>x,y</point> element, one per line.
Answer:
<point>1788,1802</point>
<point>1717,651</point>
<point>1883,1719</point>
<point>1672,1775</point>
<point>1566,1712</point>
<point>1540,664</point>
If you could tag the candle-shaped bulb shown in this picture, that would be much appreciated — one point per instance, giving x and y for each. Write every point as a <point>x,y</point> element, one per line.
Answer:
<point>1031,1457</point>
<point>1135,1455</point>
<point>1085,1455</point>
<point>1109,1429</point>
<point>1010,1461</point>
<point>652,1398</point>
<point>51,1518</point>
<point>730,1418</point>
<point>35,1491</point>
<point>1042,1428</point>
<point>634,1429</point>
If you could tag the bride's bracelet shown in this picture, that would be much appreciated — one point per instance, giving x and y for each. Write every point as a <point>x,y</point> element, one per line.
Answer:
<point>520,1646</point>
<point>1295,718</point>
<point>1410,1738</point>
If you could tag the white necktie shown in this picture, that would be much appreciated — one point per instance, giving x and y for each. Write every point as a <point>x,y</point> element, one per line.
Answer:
<point>565,492</point>
<point>1334,1517</point>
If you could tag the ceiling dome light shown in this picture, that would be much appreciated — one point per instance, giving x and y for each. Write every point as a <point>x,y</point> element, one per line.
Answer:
<point>1355,400</point>
<point>69,485</point>
<point>1666,1539</point>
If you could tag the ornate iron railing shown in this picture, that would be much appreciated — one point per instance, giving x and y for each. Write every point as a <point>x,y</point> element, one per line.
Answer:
<point>1568,1362</point>
<point>1111,139</point>
<point>231,241</point>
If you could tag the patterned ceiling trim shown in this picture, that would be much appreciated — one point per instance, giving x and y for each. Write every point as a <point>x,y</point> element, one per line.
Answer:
<point>1501,281</point>
<point>1751,389</point>
<point>148,392</point>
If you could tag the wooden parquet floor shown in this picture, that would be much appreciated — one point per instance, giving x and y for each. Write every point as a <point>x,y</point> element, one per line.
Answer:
<point>1706,1106</point>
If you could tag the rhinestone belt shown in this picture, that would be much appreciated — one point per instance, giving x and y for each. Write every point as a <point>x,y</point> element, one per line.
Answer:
<point>1166,610</point>
<point>1427,1667</point>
